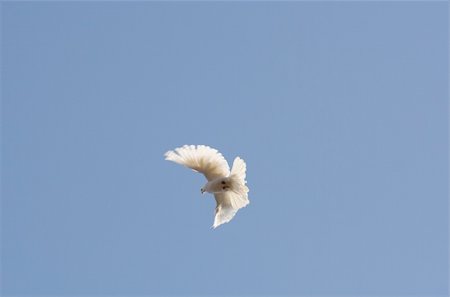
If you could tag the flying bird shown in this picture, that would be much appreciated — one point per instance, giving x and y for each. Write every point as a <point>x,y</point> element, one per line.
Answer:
<point>229,187</point>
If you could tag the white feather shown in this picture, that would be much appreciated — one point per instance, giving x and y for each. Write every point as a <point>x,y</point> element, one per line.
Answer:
<point>200,158</point>
<point>213,165</point>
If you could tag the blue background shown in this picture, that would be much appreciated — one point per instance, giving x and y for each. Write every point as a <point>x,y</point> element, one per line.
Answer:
<point>339,109</point>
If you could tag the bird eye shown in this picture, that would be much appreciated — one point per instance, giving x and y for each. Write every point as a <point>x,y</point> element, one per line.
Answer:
<point>223,182</point>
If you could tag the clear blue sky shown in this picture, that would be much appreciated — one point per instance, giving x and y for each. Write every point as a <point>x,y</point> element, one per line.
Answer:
<point>340,110</point>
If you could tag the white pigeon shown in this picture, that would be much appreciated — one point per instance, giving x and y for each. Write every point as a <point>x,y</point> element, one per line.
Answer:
<point>229,188</point>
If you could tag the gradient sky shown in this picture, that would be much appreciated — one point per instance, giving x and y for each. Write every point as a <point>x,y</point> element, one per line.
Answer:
<point>339,109</point>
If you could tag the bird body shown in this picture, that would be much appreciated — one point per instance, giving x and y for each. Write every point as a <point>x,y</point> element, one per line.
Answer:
<point>229,187</point>
<point>218,185</point>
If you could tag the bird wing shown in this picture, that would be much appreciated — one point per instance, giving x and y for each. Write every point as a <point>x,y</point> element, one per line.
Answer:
<point>200,158</point>
<point>239,168</point>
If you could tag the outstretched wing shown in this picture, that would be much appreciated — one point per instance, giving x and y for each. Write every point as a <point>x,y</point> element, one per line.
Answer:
<point>200,158</point>
<point>239,169</point>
